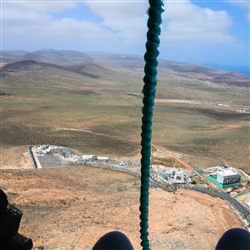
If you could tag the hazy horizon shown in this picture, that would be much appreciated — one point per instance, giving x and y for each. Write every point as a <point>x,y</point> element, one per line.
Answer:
<point>199,32</point>
<point>233,68</point>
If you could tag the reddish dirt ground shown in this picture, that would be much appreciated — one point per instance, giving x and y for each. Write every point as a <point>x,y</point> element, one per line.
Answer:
<point>71,207</point>
<point>15,157</point>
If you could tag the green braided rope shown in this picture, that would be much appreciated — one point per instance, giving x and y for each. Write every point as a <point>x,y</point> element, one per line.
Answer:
<point>149,89</point>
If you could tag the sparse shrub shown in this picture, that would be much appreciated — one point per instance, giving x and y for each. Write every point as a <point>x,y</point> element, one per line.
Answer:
<point>197,180</point>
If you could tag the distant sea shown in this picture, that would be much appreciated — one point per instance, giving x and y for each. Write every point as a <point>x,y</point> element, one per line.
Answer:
<point>241,69</point>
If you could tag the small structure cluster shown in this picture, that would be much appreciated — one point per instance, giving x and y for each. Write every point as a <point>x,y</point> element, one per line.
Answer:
<point>170,175</point>
<point>62,155</point>
<point>43,150</point>
<point>52,156</point>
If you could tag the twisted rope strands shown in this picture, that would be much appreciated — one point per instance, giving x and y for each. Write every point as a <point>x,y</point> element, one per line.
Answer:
<point>149,89</point>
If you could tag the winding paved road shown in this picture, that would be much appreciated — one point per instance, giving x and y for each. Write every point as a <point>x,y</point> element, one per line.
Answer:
<point>244,211</point>
<point>241,209</point>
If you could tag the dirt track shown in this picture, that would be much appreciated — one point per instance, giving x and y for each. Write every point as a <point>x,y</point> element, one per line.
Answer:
<point>168,153</point>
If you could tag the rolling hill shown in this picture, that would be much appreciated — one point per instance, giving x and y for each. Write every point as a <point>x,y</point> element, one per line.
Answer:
<point>204,120</point>
<point>92,103</point>
<point>132,62</point>
<point>187,70</point>
<point>62,57</point>
<point>30,66</point>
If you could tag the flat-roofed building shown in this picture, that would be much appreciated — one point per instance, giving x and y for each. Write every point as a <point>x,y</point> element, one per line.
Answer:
<point>227,176</point>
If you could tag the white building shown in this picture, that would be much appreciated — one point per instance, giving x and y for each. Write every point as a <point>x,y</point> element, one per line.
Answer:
<point>87,157</point>
<point>227,176</point>
<point>102,158</point>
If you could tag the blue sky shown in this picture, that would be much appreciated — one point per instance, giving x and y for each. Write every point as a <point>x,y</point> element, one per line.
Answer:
<point>214,33</point>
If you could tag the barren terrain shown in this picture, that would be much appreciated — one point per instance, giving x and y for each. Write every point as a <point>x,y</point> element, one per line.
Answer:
<point>201,117</point>
<point>99,110</point>
<point>71,207</point>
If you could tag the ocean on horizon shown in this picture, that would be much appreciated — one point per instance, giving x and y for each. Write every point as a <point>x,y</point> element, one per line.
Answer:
<point>240,69</point>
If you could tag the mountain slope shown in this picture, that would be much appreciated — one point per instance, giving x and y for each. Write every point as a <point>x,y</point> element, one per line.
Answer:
<point>206,122</point>
<point>62,57</point>
<point>91,69</point>
<point>187,70</point>
<point>8,56</point>
<point>131,62</point>
<point>44,71</point>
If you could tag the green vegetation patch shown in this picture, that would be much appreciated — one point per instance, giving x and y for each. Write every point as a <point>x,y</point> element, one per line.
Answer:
<point>198,181</point>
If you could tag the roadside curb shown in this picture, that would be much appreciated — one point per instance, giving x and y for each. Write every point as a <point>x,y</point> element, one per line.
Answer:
<point>34,157</point>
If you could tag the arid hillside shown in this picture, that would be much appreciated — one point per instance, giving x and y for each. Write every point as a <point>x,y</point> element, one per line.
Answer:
<point>95,108</point>
<point>71,207</point>
<point>92,104</point>
<point>126,61</point>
